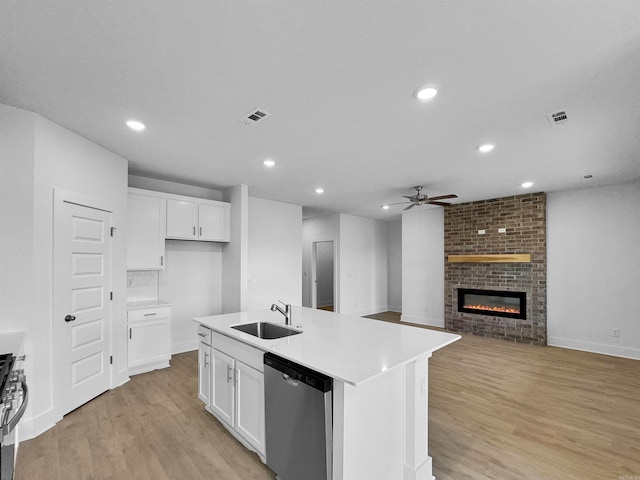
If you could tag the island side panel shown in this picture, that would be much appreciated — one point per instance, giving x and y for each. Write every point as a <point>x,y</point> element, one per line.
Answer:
<point>369,428</point>
<point>417,462</point>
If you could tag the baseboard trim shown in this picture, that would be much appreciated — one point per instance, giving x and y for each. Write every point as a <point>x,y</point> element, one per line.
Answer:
<point>363,313</point>
<point>603,349</point>
<point>31,427</point>
<point>186,346</point>
<point>431,322</point>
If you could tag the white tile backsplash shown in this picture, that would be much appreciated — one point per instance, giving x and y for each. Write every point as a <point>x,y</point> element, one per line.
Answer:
<point>142,285</point>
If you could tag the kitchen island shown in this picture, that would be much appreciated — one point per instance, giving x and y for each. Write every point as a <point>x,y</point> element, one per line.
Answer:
<point>380,385</point>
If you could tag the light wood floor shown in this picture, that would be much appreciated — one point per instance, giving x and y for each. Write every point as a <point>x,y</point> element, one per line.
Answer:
<point>498,410</point>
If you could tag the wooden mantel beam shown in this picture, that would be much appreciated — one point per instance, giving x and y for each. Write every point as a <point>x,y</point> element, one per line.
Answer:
<point>491,258</point>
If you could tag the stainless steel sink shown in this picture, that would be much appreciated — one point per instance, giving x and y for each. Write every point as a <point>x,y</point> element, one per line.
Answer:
<point>266,330</point>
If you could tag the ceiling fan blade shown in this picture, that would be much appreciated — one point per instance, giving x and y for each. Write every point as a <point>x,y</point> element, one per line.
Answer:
<point>397,203</point>
<point>404,196</point>
<point>410,206</point>
<point>442,204</point>
<point>442,197</point>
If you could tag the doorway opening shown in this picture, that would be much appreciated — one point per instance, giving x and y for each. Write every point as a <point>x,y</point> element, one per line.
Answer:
<point>323,276</point>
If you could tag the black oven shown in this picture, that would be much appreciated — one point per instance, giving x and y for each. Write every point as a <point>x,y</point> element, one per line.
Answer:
<point>14,396</point>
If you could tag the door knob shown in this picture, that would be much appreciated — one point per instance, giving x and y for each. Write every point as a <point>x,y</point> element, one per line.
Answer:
<point>69,318</point>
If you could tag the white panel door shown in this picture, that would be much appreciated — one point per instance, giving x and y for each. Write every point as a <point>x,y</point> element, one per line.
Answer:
<point>204,372</point>
<point>222,387</point>
<point>82,289</point>
<point>250,421</point>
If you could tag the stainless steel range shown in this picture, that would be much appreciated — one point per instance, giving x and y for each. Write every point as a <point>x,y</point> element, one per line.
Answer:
<point>14,396</point>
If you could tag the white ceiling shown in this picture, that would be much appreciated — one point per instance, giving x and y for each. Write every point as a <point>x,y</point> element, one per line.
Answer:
<point>338,77</point>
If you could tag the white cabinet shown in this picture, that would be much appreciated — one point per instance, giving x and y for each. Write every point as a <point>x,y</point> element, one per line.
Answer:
<point>145,232</point>
<point>223,386</point>
<point>198,220</point>
<point>237,390</point>
<point>149,339</point>
<point>249,402</point>
<point>204,364</point>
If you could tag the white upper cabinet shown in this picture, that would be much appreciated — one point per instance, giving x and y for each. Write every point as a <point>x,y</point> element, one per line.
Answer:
<point>182,219</point>
<point>198,220</point>
<point>213,221</point>
<point>145,232</point>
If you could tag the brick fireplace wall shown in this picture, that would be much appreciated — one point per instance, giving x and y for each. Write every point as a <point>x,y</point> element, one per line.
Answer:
<point>524,217</point>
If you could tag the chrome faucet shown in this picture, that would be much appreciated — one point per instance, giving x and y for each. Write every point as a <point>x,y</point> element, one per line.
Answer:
<point>286,312</point>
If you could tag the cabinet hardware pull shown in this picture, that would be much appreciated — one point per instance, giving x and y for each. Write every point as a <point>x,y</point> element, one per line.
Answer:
<point>229,374</point>
<point>206,364</point>
<point>161,260</point>
<point>194,230</point>
<point>150,314</point>
<point>129,334</point>
<point>200,231</point>
<point>202,335</point>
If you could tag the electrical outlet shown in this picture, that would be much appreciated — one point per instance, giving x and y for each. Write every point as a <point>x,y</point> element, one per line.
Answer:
<point>615,332</point>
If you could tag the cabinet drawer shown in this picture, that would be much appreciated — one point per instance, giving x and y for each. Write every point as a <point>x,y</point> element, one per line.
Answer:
<point>240,351</point>
<point>147,314</point>
<point>204,334</point>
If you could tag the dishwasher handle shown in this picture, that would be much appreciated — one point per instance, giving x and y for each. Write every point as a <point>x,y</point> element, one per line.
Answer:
<point>293,372</point>
<point>291,381</point>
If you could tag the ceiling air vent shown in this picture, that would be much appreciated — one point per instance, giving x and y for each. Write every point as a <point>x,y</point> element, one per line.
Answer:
<point>557,118</point>
<point>254,116</point>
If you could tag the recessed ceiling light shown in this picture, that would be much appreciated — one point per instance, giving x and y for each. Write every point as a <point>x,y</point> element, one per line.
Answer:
<point>486,148</point>
<point>319,190</point>
<point>385,207</point>
<point>269,163</point>
<point>425,93</point>
<point>526,184</point>
<point>135,125</point>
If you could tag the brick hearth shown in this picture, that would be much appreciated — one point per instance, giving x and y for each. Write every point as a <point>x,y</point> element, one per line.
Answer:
<point>524,217</point>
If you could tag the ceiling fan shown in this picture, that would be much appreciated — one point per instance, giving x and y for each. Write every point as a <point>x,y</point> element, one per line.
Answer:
<point>421,199</point>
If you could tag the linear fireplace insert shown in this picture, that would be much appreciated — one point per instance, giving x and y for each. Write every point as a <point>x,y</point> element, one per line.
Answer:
<point>497,303</point>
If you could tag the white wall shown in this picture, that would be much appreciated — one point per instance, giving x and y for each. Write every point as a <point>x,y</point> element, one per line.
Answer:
<point>395,266</point>
<point>593,269</point>
<point>155,185</point>
<point>60,159</point>
<point>363,265</point>
<point>275,253</point>
<point>317,229</point>
<point>234,253</point>
<point>423,266</point>
<point>192,283</point>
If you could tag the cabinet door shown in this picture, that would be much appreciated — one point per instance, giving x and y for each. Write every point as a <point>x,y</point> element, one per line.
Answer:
<point>250,421</point>
<point>222,386</point>
<point>212,224</point>
<point>148,342</point>
<point>145,232</point>
<point>182,217</point>
<point>204,372</point>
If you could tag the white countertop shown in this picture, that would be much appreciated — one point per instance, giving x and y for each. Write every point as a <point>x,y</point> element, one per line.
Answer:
<point>345,347</point>
<point>134,305</point>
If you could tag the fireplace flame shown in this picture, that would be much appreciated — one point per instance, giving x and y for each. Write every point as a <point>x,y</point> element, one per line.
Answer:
<point>491,308</point>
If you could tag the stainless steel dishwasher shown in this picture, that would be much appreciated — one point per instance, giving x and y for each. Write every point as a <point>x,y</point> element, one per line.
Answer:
<point>299,420</point>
